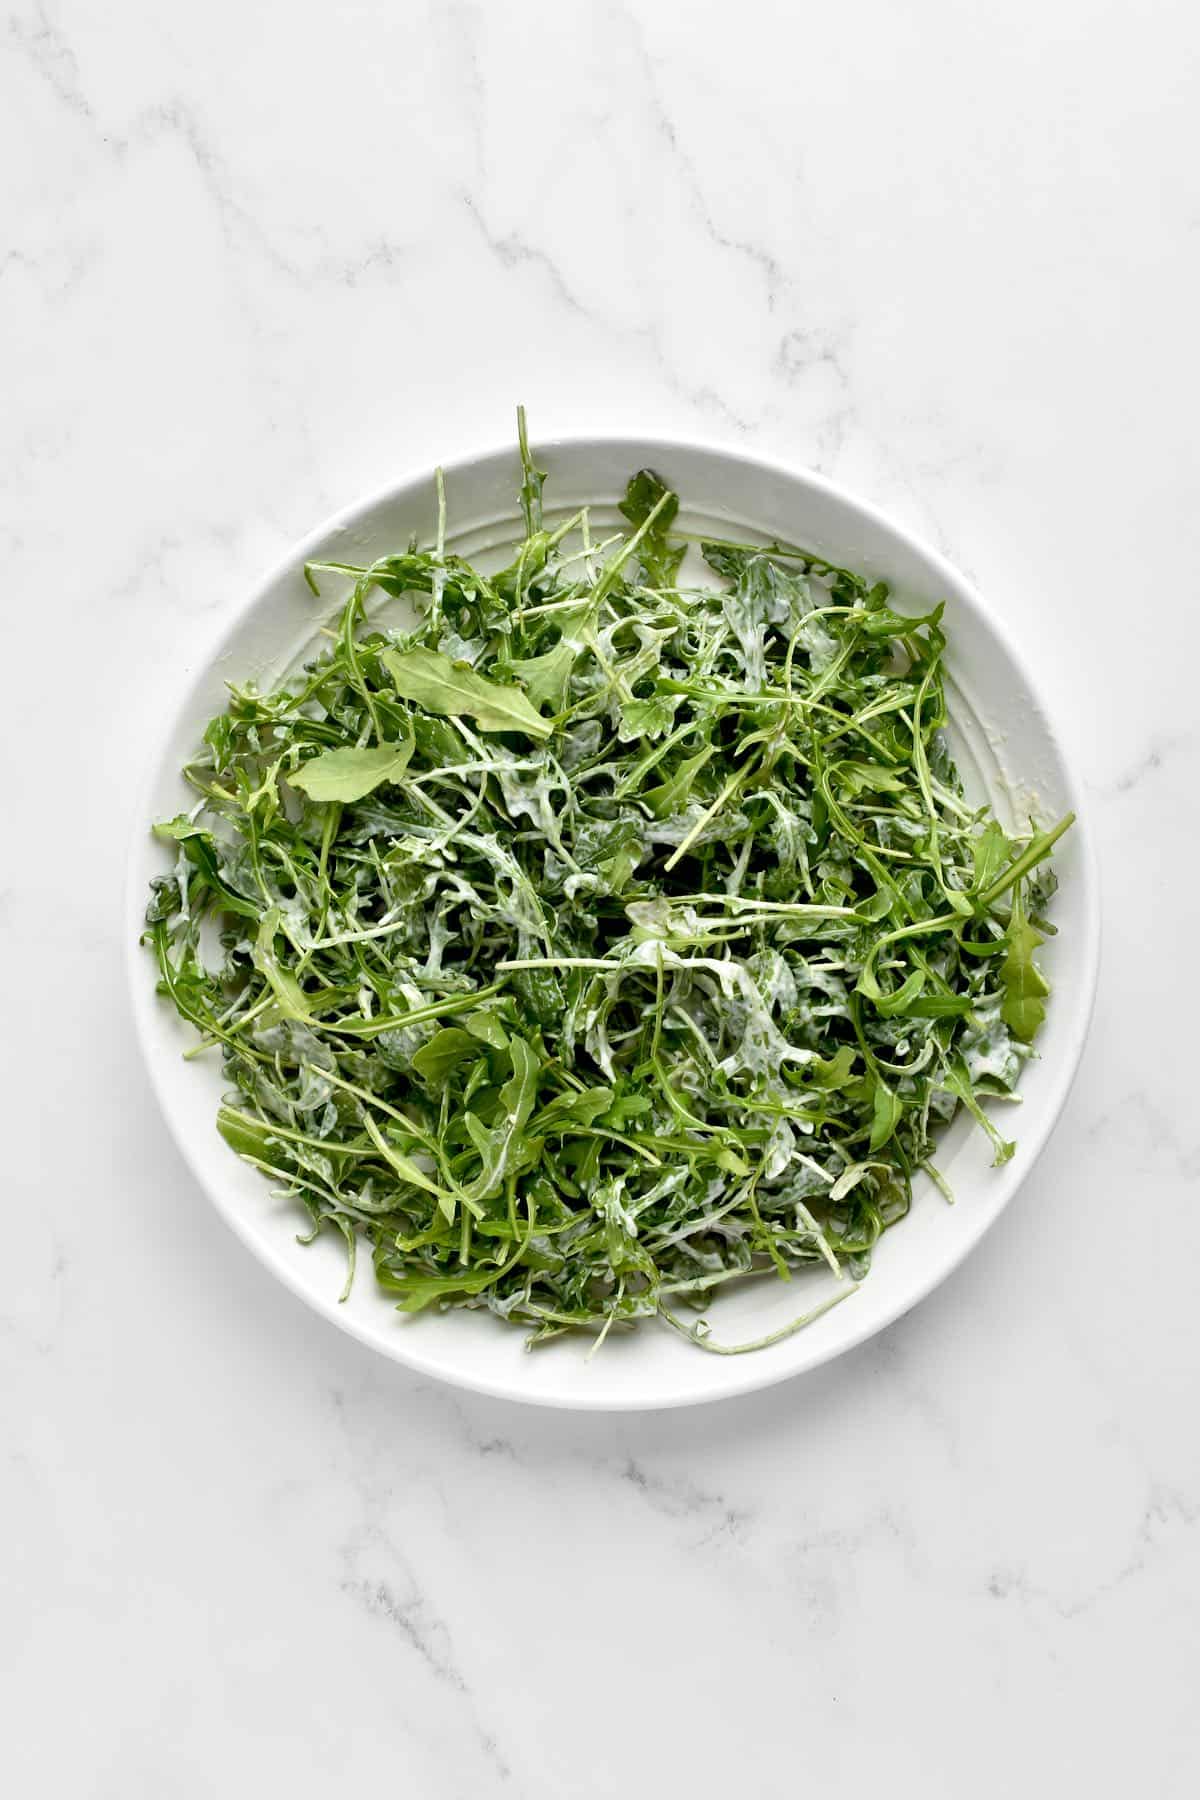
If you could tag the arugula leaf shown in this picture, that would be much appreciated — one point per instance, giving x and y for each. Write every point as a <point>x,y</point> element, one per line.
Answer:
<point>886,1112</point>
<point>517,1094</point>
<point>351,774</point>
<point>660,558</point>
<point>647,718</point>
<point>671,796</point>
<point>283,984</point>
<point>420,1291</point>
<point>582,1108</point>
<point>446,1048</point>
<point>499,1146</point>
<point>990,852</point>
<point>438,685</point>
<point>200,850</point>
<point>835,1072</point>
<point>532,482</point>
<point>545,678</point>
<point>1025,987</point>
<point>954,1079</point>
<point>487,1028</point>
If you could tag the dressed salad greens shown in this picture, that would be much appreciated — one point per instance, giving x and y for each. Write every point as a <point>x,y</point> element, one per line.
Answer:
<point>608,936</point>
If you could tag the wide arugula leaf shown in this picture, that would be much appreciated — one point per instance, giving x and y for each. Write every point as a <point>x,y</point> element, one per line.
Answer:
<point>438,685</point>
<point>351,774</point>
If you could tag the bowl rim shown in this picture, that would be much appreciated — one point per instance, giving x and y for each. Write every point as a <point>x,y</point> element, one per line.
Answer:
<point>737,1376</point>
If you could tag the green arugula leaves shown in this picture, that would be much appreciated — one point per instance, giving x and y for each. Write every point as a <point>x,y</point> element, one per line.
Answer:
<point>618,932</point>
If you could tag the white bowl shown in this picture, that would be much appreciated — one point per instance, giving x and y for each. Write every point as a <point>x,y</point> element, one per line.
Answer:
<point>998,720</point>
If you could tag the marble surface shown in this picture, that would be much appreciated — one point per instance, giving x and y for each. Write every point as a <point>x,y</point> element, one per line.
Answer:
<point>254,260</point>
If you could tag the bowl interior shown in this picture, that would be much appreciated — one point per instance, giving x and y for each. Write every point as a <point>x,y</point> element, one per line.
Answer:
<point>1007,752</point>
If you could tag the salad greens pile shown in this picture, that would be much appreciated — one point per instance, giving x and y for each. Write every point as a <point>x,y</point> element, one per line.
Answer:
<point>605,938</point>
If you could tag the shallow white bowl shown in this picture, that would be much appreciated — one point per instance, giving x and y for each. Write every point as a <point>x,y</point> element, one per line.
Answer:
<point>1003,737</point>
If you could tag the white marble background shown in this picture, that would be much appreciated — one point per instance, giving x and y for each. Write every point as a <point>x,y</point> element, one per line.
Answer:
<point>255,257</point>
